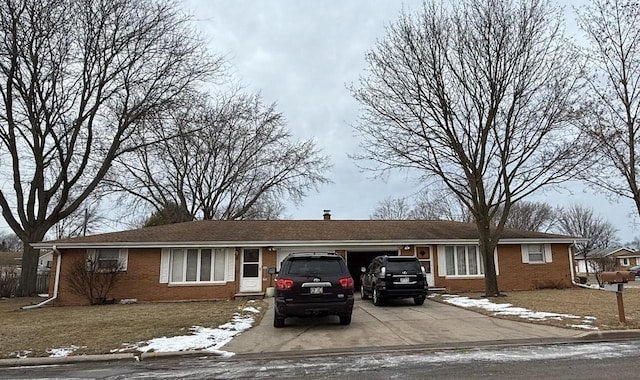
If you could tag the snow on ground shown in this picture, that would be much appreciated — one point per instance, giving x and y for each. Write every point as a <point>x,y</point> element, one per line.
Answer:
<point>508,309</point>
<point>62,351</point>
<point>201,338</point>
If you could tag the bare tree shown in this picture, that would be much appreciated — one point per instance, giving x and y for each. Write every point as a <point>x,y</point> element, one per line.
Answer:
<point>580,221</point>
<point>392,209</point>
<point>428,204</point>
<point>80,222</point>
<point>439,204</point>
<point>602,264</point>
<point>233,159</point>
<point>10,242</point>
<point>613,30</point>
<point>531,216</point>
<point>77,78</point>
<point>168,214</point>
<point>481,95</point>
<point>94,280</point>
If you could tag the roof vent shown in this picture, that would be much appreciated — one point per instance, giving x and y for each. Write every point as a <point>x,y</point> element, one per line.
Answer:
<point>326,215</point>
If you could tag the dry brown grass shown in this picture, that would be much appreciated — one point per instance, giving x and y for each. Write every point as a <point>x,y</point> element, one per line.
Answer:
<point>104,328</point>
<point>577,301</point>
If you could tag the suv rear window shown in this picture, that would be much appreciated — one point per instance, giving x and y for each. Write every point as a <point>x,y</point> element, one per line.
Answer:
<point>306,267</point>
<point>394,265</point>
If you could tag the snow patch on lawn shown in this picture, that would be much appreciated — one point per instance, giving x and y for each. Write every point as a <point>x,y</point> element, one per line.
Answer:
<point>509,309</point>
<point>201,338</point>
<point>62,351</point>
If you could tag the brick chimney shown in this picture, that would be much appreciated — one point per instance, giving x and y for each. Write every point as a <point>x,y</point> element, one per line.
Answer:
<point>326,215</point>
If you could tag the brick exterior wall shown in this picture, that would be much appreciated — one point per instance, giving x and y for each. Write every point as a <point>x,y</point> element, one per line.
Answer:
<point>141,281</point>
<point>142,278</point>
<point>514,274</point>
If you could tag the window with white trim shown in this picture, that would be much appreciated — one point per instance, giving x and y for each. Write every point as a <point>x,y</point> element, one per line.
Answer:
<point>463,260</point>
<point>197,264</point>
<point>624,262</point>
<point>107,258</point>
<point>536,253</point>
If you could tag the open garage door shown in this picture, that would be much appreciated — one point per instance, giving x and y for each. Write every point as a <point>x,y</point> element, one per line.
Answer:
<point>359,259</point>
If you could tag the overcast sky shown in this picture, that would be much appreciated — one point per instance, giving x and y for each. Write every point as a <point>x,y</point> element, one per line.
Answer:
<point>303,55</point>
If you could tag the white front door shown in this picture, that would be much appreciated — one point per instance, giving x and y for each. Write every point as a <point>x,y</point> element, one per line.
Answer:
<point>251,262</point>
<point>426,264</point>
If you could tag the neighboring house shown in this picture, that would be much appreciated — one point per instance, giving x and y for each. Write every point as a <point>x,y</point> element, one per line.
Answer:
<point>224,259</point>
<point>10,262</point>
<point>626,258</point>
<point>45,261</point>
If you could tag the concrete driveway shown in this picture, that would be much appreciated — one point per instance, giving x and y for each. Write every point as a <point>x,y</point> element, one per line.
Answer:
<point>398,323</point>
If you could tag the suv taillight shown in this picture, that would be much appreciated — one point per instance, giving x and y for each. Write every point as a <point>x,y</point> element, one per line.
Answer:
<point>284,284</point>
<point>346,282</point>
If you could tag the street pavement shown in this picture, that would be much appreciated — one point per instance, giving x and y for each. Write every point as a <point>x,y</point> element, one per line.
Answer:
<point>398,323</point>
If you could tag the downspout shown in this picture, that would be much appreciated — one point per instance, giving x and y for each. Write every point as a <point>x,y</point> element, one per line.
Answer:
<point>55,285</point>
<point>571,266</point>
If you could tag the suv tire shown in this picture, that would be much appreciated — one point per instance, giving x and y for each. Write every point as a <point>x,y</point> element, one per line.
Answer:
<point>374,295</point>
<point>418,300</point>
<point>277,321</point>
<point>345,319</point>
<point>363,295</point>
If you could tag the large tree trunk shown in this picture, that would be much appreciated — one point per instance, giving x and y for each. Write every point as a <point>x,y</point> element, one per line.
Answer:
<point>487,247</point>
<point>29,274</point>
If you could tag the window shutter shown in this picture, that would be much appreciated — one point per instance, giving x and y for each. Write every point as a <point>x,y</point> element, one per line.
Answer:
<point>123,258</point>
<point>548,256</point>
<point>165,258</point>
<point>442,264</point>
<point>495,259</point>
<point>231,265</point>
<point>524,249</point>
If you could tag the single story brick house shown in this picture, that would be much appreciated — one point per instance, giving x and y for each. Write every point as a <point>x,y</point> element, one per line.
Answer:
<point>223,259</point>
<point>626,258</point>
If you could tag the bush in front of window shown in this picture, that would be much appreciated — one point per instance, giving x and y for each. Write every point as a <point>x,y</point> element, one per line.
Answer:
<point>93,279</point>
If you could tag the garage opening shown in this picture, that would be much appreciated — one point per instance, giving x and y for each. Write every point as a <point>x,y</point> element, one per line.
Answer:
<point>359,259</point>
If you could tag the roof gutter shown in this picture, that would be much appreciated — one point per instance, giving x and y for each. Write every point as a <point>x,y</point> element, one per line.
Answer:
<point>571,266</point>
<point>56,284</point>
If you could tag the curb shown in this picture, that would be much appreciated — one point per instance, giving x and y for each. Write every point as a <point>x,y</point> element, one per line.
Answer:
<point>65,360</point>
<point>137,357</point>
<point>588,337</point>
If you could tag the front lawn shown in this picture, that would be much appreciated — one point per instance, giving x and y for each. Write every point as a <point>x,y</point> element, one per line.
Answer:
<point>576,301</point>
<point>103,329</point>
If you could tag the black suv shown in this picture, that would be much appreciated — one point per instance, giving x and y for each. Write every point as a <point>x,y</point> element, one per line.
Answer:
<point>394,277</point>
<point>313,284</point>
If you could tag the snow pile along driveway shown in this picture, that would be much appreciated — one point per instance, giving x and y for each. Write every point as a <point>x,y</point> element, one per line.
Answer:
<point>201,338</point>
<point>509,309</point>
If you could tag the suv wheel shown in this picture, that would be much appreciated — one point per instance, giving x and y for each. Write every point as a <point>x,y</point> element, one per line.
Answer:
<point>418,300</point>
<point>277,321</point>
<point>345,319</point>
<point>374,296</point>
<point>363,295</point>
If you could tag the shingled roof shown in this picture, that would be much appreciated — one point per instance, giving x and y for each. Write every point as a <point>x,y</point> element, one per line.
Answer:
<point>292,231</point>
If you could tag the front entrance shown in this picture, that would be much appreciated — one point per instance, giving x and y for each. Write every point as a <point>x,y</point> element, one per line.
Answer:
<point>250,263</point>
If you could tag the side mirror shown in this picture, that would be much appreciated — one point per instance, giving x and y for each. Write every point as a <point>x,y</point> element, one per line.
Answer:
<point>363,269</point>
<point>272,270</point>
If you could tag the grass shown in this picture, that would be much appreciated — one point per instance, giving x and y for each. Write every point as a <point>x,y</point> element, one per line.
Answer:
<point>100,329</point>
<point>105,328</point>
<point>577,301</point>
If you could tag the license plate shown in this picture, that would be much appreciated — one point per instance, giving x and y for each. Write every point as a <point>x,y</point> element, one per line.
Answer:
<point>404,279</point>
<point>316,290</point>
